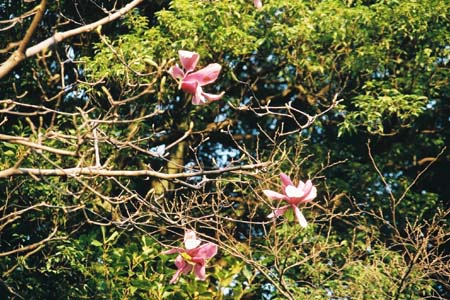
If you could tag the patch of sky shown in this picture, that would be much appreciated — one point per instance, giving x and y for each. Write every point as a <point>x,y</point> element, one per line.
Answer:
<point>378,189</point>
<point>160,133</point>
<point>380,73</point>
<point>291,68</point>
<point>225,155</point>
<point>364,205</point>
<point>282,87</point>
<point>445,58</point>
<point>273,124</point>
<point>228,291</point>
<point>318,130</point>
<point>388,188</point>
<point>231,63</point>
<point>305,132</point>
<point>329,291</point>
<point>269,291</point>
<point>190,167</point>
<point>245,101</point>
<point>169,103</point>
<point>431,104</point>
<point>70,53</point>
<point>241,236</point>
<point>66,78</point>
<point>54,66</point>
<point>158,150</point>
<point>220,118</point>
<point>279,11</point>
<point>381,188</point>
<point>78,94</point>
<point>271,58</point>
<point>258,232</point>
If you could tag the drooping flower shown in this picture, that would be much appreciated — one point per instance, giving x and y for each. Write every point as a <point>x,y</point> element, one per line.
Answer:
<point>294,195</point>
<point>192,257</point>
<point>257,3</point>
<point>192,83</point>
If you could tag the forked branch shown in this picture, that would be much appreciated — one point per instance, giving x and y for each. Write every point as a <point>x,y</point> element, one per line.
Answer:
<point>20,54</point>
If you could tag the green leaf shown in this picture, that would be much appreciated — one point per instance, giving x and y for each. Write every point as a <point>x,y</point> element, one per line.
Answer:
<point>96,243</point>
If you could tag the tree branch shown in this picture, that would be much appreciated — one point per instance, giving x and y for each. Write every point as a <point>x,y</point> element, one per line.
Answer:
<point>19,55</point>
<point>27,142</point>
<point>31,246</point>
<point>93,171</point>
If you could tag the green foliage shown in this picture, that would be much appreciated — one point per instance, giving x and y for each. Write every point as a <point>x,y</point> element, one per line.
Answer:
<point>128,269</point>
<point>210,27</point>
<point>374,111</point>
<point>387,61</point>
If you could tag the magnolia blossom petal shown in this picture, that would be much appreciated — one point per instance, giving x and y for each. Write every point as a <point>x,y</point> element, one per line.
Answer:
<point>198,260</point>
<point>278,212</point>
<point>183,268</point>
<point>293,192</point>
<point>206,75</point>
<point>205,251</point>
<point>257,3</point>
<point>300,217</point>
<point>190,240</point>
<point>191,244</point>
<point>189,87</point>
<point>200,272</point>
<point>198,97</point>
<point>307,187</point>
<point>189,60</point>
<point>213,97</point>
<point>311,195</point>
<point>175,276</point>
<point>285,180</point>
<point>190,235</point>
<point>274,195</point>
<point>176,72</point>
<point>173,250</point>
<point>179,262</point>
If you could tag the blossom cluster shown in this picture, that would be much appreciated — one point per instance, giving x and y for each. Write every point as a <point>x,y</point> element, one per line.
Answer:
<point>294,195</point>
<point>192,83</point>
<point>194,255</point>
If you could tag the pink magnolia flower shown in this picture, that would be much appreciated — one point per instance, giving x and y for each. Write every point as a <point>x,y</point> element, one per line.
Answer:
<point>193,256</point>
<point>257,3</point>
<point>294,195</point>
<point>192,83</point>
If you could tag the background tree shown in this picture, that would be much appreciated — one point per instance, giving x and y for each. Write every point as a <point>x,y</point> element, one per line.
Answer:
<point>105,163</point>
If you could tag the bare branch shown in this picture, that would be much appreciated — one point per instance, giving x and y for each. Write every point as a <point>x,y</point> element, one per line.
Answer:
<point>93,171</point>
<point>27,142</point>
<point>420,174</point>
<point>32,246</point>
<point>19,55</point>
